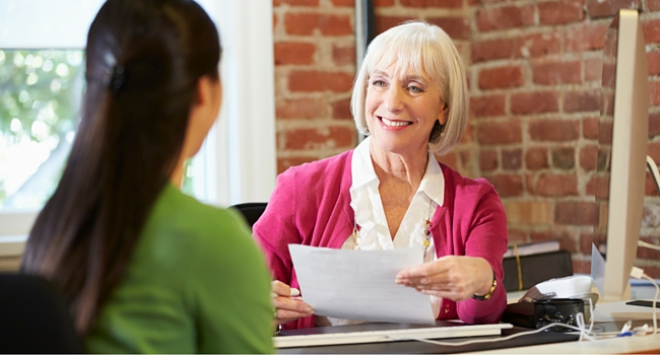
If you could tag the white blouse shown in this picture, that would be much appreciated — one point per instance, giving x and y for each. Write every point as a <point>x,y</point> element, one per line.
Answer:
<point>374,233</point>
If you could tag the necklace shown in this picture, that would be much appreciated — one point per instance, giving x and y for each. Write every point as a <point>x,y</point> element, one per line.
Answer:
<point>428,224</point>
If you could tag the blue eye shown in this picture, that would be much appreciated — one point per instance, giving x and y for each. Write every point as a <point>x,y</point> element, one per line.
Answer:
<point>415,89</point>
<point>378,83</point>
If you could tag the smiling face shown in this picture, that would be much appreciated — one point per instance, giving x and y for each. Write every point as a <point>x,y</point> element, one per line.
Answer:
<point>401,110</point>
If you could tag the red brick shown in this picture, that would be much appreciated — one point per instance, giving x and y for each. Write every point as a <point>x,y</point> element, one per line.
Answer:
<point>563,158</point>
<point>652,271</point>
<point>449,159</point>
<point>575,213</point>
<point>566,239</point>
<point>586,239</point>
<point>581,101</point>
<point>598,186</point>
<point>294,53</point>
<point>383,3</point>
<point>648,253</point>
<point>553,73</point>
<point>554,130</point>
<point>500,48</point>
<point>651,29</point>
<point>589,157</point>
<point>300,108</point>
<point>506,185</point>
<point>317,81</point>
<point>487,160</point>
<point>502,77</point>
<point>654,92</point>
<point>586,37</point>
<point>512,159</point>
<point>653,62</point>
<point>432,3</point>
<point>296,2</point>
<point>593,69</point>
<point>344,3</point>
<point>456,27</point>
<point>654,124</point>
<point>537,45</point>
<point>305,24</point>
<point>653,5</point>
<point>534,102</point>
<point>536,158</point>
<point>275,21</point>
<point>320,138</point>
<point>530,182</point>
<point>466,158</point>
<point>557,185</point>
<point>285,163</point>
<point>517,236</point>
<point>342,109</point>
<point>383,23</point>
<point>590,128</point>
<point>581,266</point>
<point>649,186</point>
<point>560,12</point>
<point>466,137</point>
<point>605,132</point>
<point>499,132</point>
<point>506,17</point>
<point>653,151</point>
<point>599,8</point>
<point>343,55</point>
<point>487,106</point>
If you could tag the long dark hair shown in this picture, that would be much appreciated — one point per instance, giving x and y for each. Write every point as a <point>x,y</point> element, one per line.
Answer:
<point>143,61</point>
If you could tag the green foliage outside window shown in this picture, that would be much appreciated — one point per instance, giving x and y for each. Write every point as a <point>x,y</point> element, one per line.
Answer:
<point>40,94</point>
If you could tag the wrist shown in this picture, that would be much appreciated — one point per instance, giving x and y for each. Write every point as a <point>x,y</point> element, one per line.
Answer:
<point>489,293</point>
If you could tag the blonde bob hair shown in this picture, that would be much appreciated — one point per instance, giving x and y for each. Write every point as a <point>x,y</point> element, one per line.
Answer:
<point>416,48</point>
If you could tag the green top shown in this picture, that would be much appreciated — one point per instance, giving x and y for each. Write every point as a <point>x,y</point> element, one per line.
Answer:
<point>197,282</point>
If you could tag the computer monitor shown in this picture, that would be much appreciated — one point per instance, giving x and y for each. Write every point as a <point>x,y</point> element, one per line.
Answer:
<point>622,147</point>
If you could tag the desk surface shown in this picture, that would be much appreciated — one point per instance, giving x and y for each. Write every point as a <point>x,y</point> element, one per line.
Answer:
<point>649,344</point>
<point>608,317</point>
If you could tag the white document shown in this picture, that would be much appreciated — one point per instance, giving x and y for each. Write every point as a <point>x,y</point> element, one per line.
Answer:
<point>359,284</point>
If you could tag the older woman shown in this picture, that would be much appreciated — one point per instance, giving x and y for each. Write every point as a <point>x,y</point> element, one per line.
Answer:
<point>410,98</point>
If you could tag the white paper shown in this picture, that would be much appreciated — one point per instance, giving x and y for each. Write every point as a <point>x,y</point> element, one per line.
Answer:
<point>359,284</point>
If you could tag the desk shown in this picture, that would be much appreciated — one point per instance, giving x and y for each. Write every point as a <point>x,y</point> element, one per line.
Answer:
<point>608,317</point>
<point>646,345</point>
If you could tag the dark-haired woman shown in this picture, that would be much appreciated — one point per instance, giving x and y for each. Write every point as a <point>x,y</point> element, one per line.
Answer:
<point>147,269</point>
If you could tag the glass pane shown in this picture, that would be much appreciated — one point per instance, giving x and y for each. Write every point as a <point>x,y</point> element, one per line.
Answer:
<point>40,95</point>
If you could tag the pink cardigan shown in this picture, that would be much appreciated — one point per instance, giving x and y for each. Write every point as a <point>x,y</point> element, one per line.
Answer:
<point>311,206</point>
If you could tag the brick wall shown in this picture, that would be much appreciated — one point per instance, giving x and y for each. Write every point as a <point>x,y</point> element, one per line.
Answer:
<point>534,71</point>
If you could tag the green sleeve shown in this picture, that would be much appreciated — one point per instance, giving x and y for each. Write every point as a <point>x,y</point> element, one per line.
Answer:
<point>231,291</point>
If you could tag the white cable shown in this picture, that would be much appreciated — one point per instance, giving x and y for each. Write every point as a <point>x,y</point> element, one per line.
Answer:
<point>648,245</point>
<point>579,320</point>
<point>591,313</point>
<point>655,300</point>
<point>581,330</point>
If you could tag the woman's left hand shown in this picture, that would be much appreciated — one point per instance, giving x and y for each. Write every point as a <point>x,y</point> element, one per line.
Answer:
<point>453,277</point>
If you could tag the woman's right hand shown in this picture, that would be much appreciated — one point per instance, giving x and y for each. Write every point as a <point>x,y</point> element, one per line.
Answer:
<point>288,305</point>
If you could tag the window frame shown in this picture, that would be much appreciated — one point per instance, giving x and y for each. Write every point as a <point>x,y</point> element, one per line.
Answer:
<point>240,151</point>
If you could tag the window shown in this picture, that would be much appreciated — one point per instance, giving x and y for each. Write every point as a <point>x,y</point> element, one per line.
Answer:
<point>39,92</point>
<point>41,99</point>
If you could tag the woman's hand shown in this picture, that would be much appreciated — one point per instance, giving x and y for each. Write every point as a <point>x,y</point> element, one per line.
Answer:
<point>453,277</point>
<point>288,306</point>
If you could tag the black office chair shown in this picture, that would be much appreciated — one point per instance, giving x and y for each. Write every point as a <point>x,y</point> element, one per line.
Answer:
<point>34,317</point>
<point>251,211</point>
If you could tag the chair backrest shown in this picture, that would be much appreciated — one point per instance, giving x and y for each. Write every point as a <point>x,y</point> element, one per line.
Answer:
<point>251,211</point>
<point>34,317</point>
